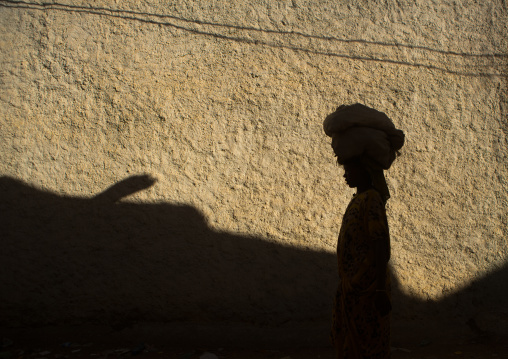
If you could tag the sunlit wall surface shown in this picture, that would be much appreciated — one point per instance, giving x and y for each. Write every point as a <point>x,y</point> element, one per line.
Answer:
<point>221,103</point>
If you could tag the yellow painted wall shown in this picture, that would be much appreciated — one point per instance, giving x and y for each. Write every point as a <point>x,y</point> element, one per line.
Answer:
<point>222,103</point>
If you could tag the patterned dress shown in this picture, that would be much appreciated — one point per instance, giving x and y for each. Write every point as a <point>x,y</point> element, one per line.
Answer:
<point>359,331</point>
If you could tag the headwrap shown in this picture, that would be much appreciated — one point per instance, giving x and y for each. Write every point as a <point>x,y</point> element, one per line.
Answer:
<point>358,131</point>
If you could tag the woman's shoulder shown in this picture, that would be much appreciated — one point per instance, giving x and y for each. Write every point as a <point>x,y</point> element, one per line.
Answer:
<point>372,197</point>
<point>371,193</point>
<point>374,193</point>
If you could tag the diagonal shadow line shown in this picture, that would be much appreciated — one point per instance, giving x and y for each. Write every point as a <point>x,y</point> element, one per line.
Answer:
<point>141,262</point>
<point>58,6</point>
<point>118,14</point>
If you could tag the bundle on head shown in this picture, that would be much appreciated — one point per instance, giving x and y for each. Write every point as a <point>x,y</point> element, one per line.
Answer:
<point>359,131</point>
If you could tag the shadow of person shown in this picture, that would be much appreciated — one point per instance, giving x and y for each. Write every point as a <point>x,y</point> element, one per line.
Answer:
<point>70,260</point>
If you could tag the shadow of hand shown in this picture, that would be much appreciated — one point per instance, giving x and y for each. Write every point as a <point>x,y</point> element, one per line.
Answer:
<point>126,187</point>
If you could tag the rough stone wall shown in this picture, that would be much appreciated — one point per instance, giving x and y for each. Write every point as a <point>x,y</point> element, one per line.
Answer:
<point>222,103</point>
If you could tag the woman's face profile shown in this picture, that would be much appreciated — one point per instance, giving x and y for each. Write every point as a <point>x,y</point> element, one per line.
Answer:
<point>355,174</point>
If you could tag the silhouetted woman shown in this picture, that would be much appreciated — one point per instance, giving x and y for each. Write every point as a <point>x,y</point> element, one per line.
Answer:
<point>365,142</point>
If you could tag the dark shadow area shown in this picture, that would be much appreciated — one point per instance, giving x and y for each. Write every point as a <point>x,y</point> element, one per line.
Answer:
<point>163,20</point>
<point>80,261</point>
<point>73,260</point>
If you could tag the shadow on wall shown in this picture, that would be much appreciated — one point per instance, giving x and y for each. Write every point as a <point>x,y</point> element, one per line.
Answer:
<point>69,260</point>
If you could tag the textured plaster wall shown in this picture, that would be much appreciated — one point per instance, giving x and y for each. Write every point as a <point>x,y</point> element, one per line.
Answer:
<point>222,103</point>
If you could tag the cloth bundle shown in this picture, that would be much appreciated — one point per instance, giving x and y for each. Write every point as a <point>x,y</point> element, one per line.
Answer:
<point>358,131</point>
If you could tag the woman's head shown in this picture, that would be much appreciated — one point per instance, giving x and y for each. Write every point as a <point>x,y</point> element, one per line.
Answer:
<point>356,174</point>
